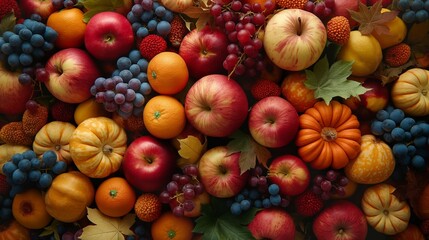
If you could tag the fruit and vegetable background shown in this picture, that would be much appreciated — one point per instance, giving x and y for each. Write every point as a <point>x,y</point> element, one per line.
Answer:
<point>214,119</point>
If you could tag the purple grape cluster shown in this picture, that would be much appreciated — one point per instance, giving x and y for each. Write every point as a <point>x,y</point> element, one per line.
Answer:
<point>332,182</point>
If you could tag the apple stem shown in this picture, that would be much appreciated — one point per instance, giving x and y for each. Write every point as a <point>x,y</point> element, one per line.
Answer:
<point>299,32</point>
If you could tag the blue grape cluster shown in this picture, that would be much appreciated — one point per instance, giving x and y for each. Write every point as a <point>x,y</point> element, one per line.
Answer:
<point>5,208</point>
<point>25,170</point>
<point>150,17</point>
<point>414,10</point>
<point>408,138</point>
<point>29,42</point>
<point>126,90</point>
<point>60,4</point>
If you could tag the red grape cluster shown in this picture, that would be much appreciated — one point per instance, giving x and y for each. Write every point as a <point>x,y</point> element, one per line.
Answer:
<point>321,9</point>
<point>333,182</point>
<point>181,191</point>
<point>242,22</point>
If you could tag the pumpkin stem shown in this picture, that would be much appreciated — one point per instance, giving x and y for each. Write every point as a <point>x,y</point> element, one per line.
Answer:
<point>107,149</point>
<point>329,134</point>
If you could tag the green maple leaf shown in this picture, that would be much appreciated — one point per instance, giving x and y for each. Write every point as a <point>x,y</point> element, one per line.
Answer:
<point>7,22</point>
<point>97,6</point>
<point>250,151</point>
<point>329,82</point>
<point>217,222</point>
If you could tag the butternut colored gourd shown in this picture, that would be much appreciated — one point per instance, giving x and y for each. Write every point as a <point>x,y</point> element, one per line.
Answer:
<point>411,92</point>
<point>384,211</point>
<point>97,147</point>
<point>55,136</point>
<point>329,135</point>
<point>13,230</point>
<point>69,195</point>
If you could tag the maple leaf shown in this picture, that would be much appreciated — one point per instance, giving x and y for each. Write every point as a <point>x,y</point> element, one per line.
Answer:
<point>51,229</point>
<point>390,74</point>
<point>7,22</point>
<point>249,149</point>
<point>107,228</point>
<point>329,82</point>
<point>198,14</point>
<point>372,19</point>
<point>191,149</point>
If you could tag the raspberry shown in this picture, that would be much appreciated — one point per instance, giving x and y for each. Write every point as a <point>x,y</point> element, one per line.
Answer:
<point>308,203</point>
<point>151,45</point>
<point>263,88</point>
<point>177,32</point>
<point>397,55</point>
<point>299,4</point>
<point>148,207</point>
<point>34,120</point>
<point>13,133</point>
<point>338,30</point>
<point>7,6</point>
<point>4,185</point>
<point>61,111</point>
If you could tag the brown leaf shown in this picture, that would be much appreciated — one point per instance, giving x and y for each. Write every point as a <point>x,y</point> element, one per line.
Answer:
<point>372,19</point>
<point>411,189</point>
<point>390,74</point>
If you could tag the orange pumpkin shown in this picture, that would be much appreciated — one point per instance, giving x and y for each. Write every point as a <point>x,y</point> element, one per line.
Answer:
<point>97,147</point>
<point>329,135</point>
<point>384,211</point>
<point>13,230</point>
<point>411,92</point>
<point>412,232</point>
<point>69,195</point>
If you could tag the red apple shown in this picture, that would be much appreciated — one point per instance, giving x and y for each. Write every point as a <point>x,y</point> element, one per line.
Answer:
<point>216,105</point>
<point>72,72</point>
<point>294,39</point>
<point>42,7</point>
<point>342,7</point>
<point>149,163</point>
<point>342,220</point>
<point>294,90</point>
<point>273,122</point>
<point>290,173</point>
<point>220,172</point>
<point>374,99</point>
<point>272,223</point>
<point>204,51</point>
<point>108,36</point>
<point>13,95</point>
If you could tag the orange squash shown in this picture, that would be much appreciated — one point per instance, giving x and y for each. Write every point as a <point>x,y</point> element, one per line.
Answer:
<point>329,135</point>
<point>412,232</point>
<point>13,230</point>
<point>97,147</point>
<point>384,211</point>
<point>69,195</point>
<point>411,92</point>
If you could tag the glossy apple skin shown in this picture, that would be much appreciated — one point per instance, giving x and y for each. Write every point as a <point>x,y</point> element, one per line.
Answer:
<point>273,122</point>
<point>216,106</point>
<point>108,36</point>
<point>294,39</point>
<point>72,72</point>
<point>342,220</point>
<point>149,163</point>
<point>13,95</point>
<point>272,223</point>
<point>220,172</point>
<point>204,51</point>
<point>342,8</point>
<point>290,173</point>
<point>42,7</point>
<point>374,99</point>
<point>294,90</point>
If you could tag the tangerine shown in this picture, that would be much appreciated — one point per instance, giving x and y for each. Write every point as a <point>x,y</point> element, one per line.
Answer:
<point>167,73</point>
<point>164,116</point>
<point>69,25</point>
<point>171,227</point>
<point>115,197</point>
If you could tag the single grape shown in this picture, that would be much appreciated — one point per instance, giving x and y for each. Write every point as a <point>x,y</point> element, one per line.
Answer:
<point>418,162</point>
<point>387,137</point>
<point>275,199</point>
<point>382,115</point>
<point>326,186</point>
<point>407,123</point>
<point>121,87</point>
<point>236,5</point>
<point>25,78</point>
<point>49,158</point>
<point>135,70</point>
<point>24,165</point>
<point>19,177</point>
<point>178,211</point>
<point>243,36</point>
<point>59,167</point>
<point>236,208</point>
<point>262,181</point>
<point>343,181</point>
<point>318,180</point>
<point>13,59</point>
<point>37,40</point>
<point>198,188</point>
<point>403,5</point>
<point>325,196</point>
<point>123,63</point>
<point>416,131</point>
<point>142,32</point>
<point>399,150</point>
<point>266,203</point>
<point>190,170</point>
<point>25,59</point>
<point>164,197</point>
<point>257,203</point>
<point>45,180</point>
<point>417,5</point>
<point>420,142</point>
<point>8,168</point>
<point>388,125</point>
<point>239,197</point>
<point>398,134</point>
<point>184,179</point>
<point>172,188</point>
<point>42,75</point>
<point>409,16</point>
<point>331,175</point>
<point>34,175</point>
<point>422,15</point>
<point>273,189</point>
<point>188,205</point>
<point>189,194</point>
<point>316,189</point>
<point>28,154</point>
<point>245,204</point>
<point>319,9</point>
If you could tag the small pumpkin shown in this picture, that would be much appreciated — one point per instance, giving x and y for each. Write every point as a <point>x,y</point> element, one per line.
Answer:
<point>374,164</point>
<point>410,92</point>
<point>97,147</point>
<point>68,196</point>
<point>7,151</point>
<point>384,211</point>
<point>54,136</point>
<point>13,230</point>
<point>329,135</point>
<point>412,232</point>
<point>177,5</point>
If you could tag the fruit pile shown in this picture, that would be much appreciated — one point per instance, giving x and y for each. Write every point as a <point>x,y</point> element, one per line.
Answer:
<point>214,119</point>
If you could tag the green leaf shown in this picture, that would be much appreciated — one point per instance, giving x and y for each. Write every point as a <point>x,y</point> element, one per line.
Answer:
<point>330,82</point>
<point>250,151</point>
<point>217,222</point>
<point>95,6</point>
<point>51,229</point>
<point>7,22</point>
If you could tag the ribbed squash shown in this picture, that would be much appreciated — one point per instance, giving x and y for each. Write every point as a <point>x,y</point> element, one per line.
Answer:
<point>411,92</point>
<point>97,147</point>
<point>13,231</point>
<point>7,151</point>
<point>54,136</point>
<point>329,135</point>
<point>374,164</point>
<point>384,211</point>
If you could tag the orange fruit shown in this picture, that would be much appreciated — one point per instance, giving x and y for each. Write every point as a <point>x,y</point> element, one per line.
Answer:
<point>69,25</point>
<point>115,197</point>
<point>171,227</point>
<point>164,117</point>
<point>28,208</point>
<point>148,207</point>
<point>167,73</point>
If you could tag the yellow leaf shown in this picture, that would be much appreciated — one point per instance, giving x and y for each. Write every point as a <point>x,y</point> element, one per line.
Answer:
<point>203,20</point>
<point>191,149</point>
<point>107,228</point>
<point>194,12</point>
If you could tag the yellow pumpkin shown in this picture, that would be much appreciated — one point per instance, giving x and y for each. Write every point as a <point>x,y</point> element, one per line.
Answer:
<point>384,211</point>
<point>7,151</point>
<point>69,195</point>
<point>374,164</point>
<point>13,230</point>
<point>97,147</point>
<point>54,136</point>
<point>411,92</point>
